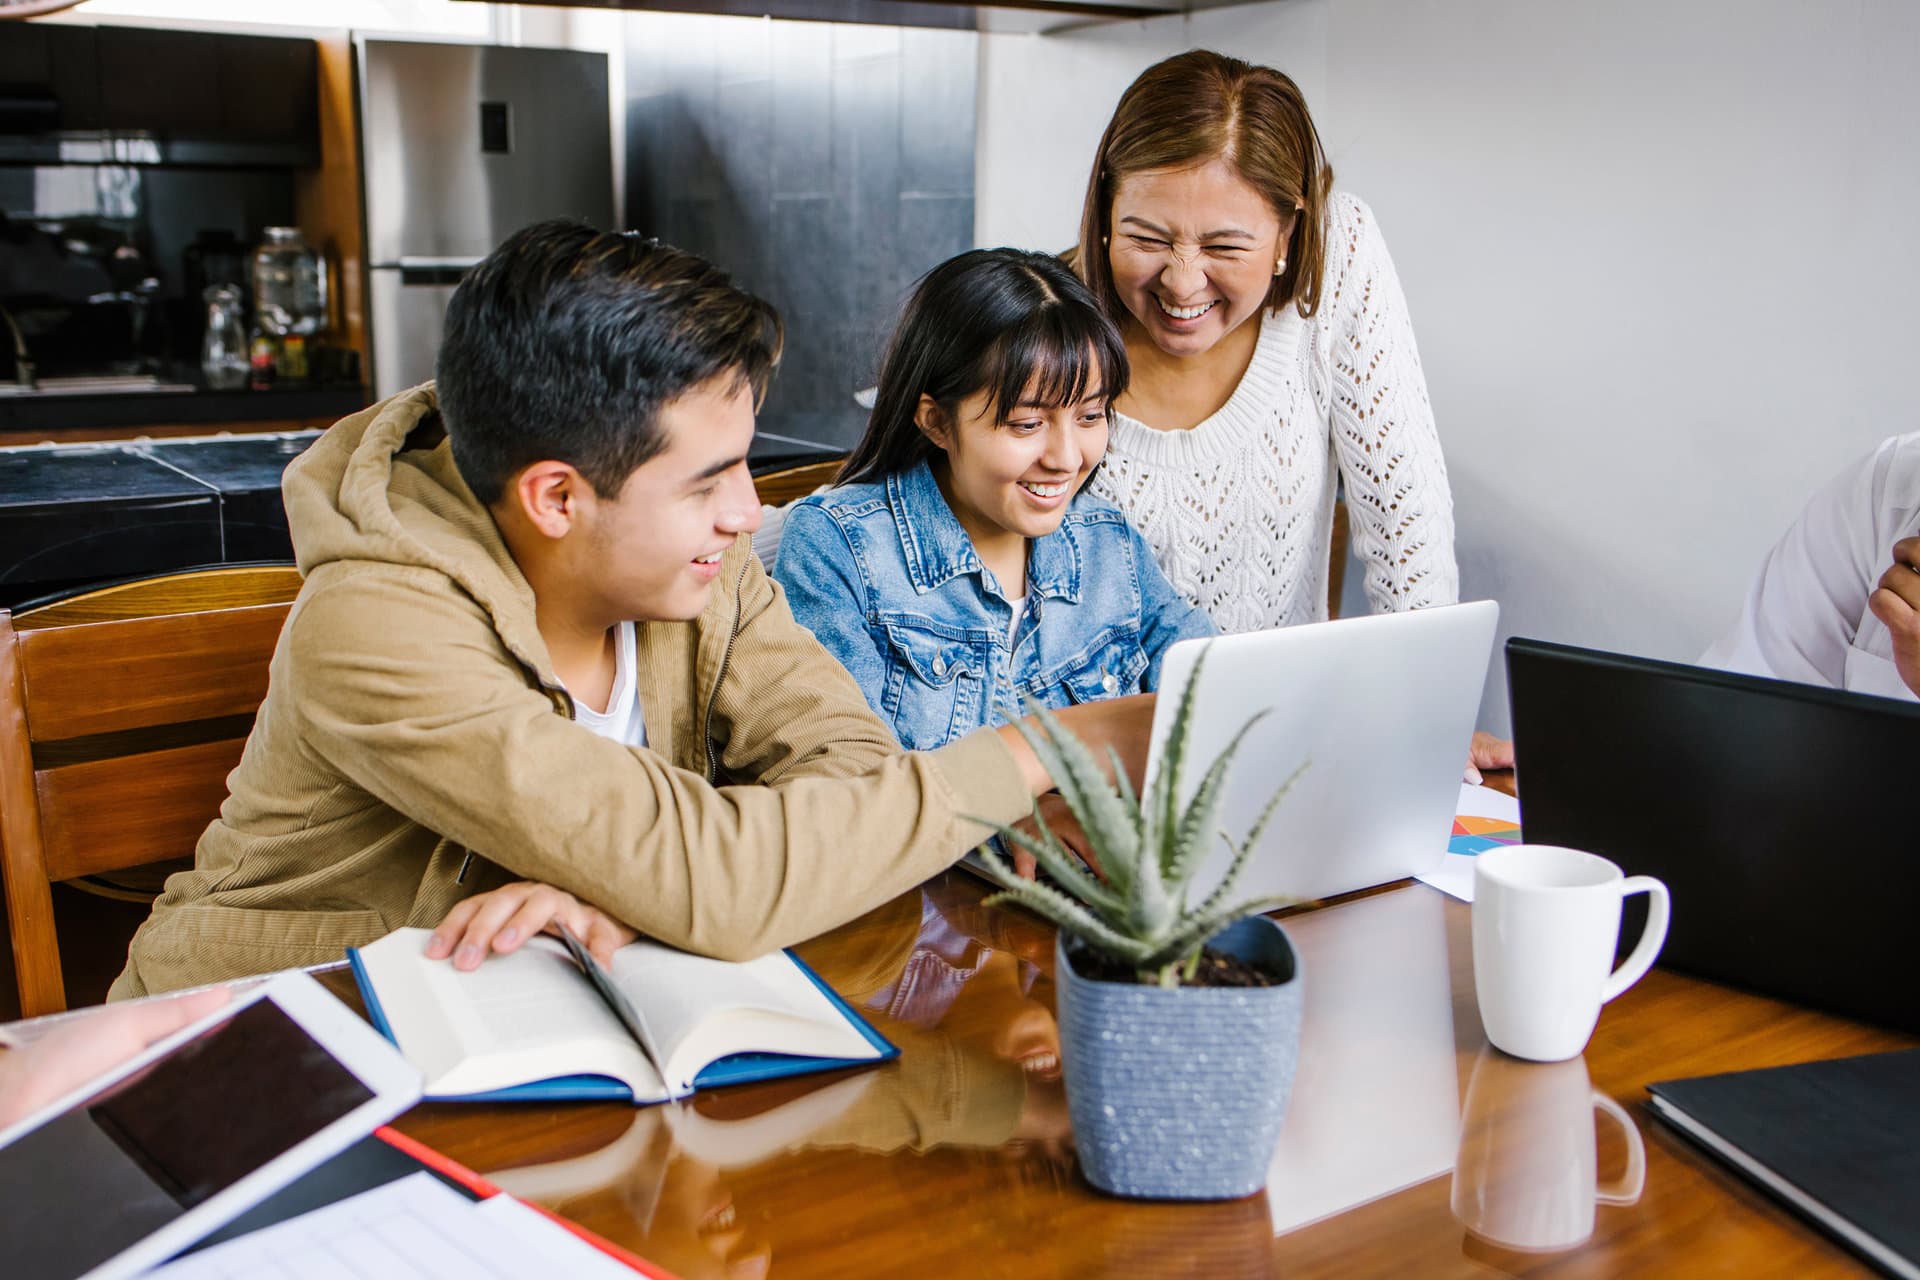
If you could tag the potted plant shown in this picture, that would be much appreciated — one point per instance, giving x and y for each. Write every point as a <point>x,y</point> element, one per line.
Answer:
<point>1179,1021</point>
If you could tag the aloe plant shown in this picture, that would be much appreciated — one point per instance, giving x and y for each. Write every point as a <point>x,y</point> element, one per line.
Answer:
<point>1148,849</point>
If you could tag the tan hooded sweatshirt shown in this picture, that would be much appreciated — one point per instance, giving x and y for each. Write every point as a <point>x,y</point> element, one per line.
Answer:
<point>415,747</point>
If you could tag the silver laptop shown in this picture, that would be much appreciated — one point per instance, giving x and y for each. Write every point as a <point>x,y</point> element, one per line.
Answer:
<point>1380,709</point>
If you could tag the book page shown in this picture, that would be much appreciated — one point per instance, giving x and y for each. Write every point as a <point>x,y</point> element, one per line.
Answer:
<point>704,1009</point>
<point>516,1019</point>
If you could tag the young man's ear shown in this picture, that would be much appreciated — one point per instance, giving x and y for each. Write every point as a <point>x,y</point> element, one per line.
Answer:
<point>549,495</point>
<point>932,421</point>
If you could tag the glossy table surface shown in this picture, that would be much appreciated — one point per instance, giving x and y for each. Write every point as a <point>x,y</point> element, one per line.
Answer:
<point>1410,1146</point>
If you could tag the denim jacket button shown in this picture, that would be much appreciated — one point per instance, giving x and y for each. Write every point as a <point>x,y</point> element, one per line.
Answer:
<point>1109,682</point>
<point>940,665</point>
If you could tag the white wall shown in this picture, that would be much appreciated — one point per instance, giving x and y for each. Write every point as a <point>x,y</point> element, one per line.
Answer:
<point>1041,104</point>
<point>1659,258</point>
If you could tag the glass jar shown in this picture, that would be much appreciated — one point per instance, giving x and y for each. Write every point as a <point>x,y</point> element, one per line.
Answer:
<point>223,349</point>
<point>289,285</point>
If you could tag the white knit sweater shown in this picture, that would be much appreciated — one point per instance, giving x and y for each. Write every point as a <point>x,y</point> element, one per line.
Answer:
<point>1239,510</point>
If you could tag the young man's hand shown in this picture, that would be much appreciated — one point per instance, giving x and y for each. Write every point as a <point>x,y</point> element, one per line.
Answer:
<point>500,921</point>
<point>1896,602</point>
<point>1066,829</point>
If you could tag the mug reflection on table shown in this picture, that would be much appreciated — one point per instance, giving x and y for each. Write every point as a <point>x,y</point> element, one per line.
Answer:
<point>1527,1174</point>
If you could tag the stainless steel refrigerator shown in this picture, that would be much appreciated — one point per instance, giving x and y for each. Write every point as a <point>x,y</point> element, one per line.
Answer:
<point>460,146</point>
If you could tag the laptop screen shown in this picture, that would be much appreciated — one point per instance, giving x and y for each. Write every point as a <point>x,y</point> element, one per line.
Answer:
<point>1779,815</point>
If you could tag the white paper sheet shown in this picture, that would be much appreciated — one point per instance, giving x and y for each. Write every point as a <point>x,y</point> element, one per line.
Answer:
<point>1454,876</point>
<point>415,1229</point>
<point>1484,802</point>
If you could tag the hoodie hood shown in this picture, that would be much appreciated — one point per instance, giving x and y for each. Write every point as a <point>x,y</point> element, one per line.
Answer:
<point>382,486</point>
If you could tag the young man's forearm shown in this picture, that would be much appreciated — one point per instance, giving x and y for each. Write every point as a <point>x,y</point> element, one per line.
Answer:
<point>1124,724</point>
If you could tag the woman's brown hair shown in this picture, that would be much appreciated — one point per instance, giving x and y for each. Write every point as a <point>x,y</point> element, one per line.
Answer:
<point>1198,106</point>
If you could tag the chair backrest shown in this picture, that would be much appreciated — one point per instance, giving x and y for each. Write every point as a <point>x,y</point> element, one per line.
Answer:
<point>122,711</point>
<point>1337,560</point>
<point>778,487</point>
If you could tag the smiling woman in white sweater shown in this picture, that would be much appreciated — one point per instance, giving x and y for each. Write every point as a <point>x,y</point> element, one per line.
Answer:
<point>1272,354</point>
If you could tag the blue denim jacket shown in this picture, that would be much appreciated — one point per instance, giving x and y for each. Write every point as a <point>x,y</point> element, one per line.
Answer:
<point>887,579</point>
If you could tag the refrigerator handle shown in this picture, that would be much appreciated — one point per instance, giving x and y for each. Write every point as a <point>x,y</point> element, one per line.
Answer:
<point>434,271</point>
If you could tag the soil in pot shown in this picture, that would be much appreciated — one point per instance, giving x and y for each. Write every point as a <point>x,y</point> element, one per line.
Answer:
<point>1216,969</point>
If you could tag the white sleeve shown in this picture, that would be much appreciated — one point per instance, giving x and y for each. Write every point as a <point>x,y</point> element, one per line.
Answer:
<point>1804,609</point>
<point>1399,505</point>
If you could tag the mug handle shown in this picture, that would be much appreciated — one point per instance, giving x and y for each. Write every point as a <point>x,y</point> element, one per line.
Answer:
<point>1627,1189</point>
<point>1651,938</point>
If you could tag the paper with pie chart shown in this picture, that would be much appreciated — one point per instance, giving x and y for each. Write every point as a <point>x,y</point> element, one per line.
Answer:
<point>1484,819</point>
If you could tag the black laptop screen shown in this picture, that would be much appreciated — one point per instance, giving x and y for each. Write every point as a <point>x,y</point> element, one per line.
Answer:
<point>1779,815</point>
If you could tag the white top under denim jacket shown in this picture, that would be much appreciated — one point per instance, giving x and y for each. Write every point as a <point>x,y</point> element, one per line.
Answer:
<point>891,584</point>
<point>1806,618</point>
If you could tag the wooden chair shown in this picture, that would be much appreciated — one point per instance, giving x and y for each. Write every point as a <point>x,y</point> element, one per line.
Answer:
<point>779,487</point>
<point>122,710</point>
<point>1337,560</point>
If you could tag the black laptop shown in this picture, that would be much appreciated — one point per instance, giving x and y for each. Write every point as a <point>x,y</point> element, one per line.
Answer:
<point>1784,818</point>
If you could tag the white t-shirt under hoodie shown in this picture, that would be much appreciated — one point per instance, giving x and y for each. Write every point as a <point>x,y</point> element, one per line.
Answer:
<point>623,720</point>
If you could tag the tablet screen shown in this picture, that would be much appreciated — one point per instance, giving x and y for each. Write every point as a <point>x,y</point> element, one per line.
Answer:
<point>143,1151</point>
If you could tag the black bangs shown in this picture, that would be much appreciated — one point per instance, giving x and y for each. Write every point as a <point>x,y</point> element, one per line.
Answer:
<point>1002,321</point>
<point>1055,358</point>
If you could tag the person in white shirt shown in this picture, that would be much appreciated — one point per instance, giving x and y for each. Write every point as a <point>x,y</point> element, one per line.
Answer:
<point>1837,602</point>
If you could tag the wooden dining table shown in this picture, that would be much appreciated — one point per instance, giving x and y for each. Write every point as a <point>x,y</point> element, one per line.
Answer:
<point>1410,1146</point>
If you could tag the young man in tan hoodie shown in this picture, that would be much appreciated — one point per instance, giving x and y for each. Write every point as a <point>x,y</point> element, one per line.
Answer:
<point>534,645</point>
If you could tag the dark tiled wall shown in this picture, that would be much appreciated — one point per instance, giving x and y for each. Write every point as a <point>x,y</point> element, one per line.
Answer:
<point>825,165</point>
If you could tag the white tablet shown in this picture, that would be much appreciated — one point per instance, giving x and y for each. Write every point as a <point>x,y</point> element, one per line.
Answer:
<point>135,1166</point>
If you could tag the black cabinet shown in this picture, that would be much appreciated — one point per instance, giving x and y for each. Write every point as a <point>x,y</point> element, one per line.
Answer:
<point>160,82</point>
<point>50,77</point>
<point>202,97</point>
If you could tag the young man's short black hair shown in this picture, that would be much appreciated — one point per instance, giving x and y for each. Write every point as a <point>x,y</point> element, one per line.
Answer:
<point>565,342</point>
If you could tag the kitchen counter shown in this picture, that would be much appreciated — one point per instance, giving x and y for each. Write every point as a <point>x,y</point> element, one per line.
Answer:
<point>31,417</point>
<point>77,514</point>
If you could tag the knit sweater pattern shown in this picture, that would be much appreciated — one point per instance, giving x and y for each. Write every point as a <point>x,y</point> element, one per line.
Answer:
<point>1239,509</point>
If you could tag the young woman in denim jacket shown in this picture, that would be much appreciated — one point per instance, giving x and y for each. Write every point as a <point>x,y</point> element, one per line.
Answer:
<point>957,569</point>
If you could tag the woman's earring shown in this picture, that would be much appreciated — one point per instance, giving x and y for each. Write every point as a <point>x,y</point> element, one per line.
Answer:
<point>1279,266</point>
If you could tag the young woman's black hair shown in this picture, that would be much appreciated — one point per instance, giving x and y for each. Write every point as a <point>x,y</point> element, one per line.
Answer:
<point>997,320</point>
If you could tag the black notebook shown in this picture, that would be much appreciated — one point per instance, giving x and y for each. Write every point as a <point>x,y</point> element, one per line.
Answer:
<point>1839,1141</point>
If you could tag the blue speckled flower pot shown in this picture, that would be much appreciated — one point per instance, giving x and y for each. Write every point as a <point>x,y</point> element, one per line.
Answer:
<point>1179,1094</point>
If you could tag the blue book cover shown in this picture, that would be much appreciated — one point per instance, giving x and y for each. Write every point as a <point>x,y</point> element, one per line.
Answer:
<point>739,1068</point>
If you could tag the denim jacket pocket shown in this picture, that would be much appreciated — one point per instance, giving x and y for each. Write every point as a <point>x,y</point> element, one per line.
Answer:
<point>1107,671</point>
<point>935,684</point>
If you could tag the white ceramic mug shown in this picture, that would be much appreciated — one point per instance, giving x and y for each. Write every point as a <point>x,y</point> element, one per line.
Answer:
<point>1527,1175</point>
<point>1545,922</point>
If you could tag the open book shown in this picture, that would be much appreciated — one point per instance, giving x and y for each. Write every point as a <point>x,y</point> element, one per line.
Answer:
<point>531,1025</point>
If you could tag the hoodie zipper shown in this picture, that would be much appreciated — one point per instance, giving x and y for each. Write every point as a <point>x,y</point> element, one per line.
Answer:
<point>726,656</point>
